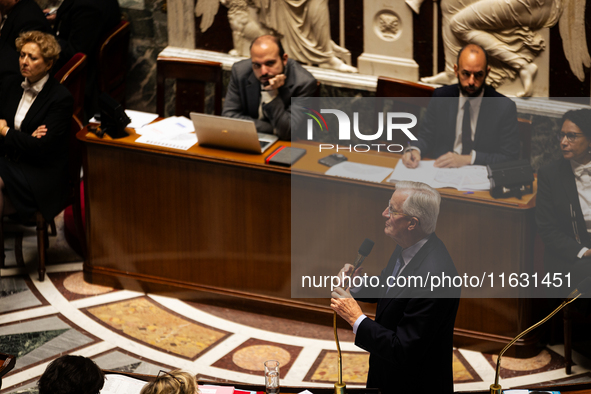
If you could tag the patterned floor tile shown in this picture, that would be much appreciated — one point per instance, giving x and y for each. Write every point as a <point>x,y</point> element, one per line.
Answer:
<point>29,387</point>
<point>463,371</point>
<point>546,360</point>
<point>73,287</point>
<point>280,324</point>
<point>144,320</point>
<point>38,340</point>
<point>250,356</point>
<point>325,368</point>
<point>123,361</point>
<point>15,295</point>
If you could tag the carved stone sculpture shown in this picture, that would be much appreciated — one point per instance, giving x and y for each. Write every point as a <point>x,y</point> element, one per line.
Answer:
<point>303,26</point>
<point>508,30</point>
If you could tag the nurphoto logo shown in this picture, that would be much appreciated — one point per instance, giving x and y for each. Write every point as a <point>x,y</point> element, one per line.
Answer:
<point>393,124</point>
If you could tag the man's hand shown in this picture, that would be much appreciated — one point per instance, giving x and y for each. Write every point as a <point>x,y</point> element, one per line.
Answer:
<point>276,82</point>
<point>411,158</point>
<point>40,132</point>
<point>347,271</point>
<point>453,160</point>
<point>50,14</point>
<point>587,253</point>
<point>345,305</point>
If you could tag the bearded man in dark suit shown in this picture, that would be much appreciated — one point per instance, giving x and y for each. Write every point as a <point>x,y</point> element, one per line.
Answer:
<point>261,87</point>
<point>469,122</point>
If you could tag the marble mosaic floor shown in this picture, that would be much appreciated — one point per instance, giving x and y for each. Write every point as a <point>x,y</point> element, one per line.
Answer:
<point>143,333</point>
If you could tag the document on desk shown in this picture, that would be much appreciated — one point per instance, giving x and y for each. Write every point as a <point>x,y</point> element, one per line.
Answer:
<point>469,178</point>
<point>209,389</point>
<point>121,384</point>
<point>139,118</point>
<point>176,132</point>
<point>363,172</point>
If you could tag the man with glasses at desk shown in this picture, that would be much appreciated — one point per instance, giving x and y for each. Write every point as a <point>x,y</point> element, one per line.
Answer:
<point>413,324</point>
<point>469,122</point>
<point>261,87</point>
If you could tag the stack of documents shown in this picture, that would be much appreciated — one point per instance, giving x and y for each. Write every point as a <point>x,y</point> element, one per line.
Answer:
<point>139,119</point>
<point>176,132</point>
<point>470,178</point>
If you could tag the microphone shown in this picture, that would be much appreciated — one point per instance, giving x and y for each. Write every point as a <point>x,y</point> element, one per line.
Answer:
<point>362,253</point>
<point>583,287</point>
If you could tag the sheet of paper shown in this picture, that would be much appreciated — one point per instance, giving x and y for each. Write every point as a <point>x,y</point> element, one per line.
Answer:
<point>469,178</point>
<point>168,126</point>
<point>121,384</point>
<point>139,118</point>
<point>425,173</point>
<point>205,389</point>
<point>175,141</point>
<point>363,172</point>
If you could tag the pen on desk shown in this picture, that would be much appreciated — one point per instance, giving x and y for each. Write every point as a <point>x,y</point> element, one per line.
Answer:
<point>468,192</point>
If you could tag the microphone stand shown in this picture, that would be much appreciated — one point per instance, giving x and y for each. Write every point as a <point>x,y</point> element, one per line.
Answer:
<point>496,387</point>
<point>364,250</point>
<point>339,386</point>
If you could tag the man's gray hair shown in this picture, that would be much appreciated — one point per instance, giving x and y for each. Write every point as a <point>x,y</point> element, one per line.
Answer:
<point>423,202</point>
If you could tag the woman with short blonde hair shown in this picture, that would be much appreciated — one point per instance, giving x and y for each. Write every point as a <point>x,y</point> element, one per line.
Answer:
<point>35,124</point>
<point>174,382</point>
<point>48,46</point>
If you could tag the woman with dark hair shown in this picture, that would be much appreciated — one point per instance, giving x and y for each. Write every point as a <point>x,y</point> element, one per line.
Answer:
<point>35,122</point>
<point>563,204</point>
<point>71,375</point>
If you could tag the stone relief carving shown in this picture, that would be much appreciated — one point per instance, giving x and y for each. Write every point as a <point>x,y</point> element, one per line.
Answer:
<point>508,31</point>
<point>387,25</point>
<point>242,18</point>
<point>303,26</point>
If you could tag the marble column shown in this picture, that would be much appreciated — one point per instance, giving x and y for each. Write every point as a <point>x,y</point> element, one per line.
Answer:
<point>388,40</point>
<point>181,23</point>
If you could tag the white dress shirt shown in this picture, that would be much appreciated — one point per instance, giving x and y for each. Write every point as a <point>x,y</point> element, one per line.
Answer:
<point>475,103</point>
<point>583,180</point>
<point>28,98</point>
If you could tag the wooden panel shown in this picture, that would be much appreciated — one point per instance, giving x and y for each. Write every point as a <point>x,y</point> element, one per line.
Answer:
<point>189,221</point>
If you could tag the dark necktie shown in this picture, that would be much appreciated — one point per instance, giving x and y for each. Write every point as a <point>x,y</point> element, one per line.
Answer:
<point>466,130</point>
<point>397,268</point>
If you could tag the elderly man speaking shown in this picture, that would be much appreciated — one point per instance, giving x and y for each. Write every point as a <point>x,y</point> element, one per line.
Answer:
<point>410,341</point>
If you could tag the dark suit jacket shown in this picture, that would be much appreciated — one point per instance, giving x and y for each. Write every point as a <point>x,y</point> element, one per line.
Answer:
<point>557,193</point>
<point>497,135</point>
<point>412,327</point>
<point>44,160</point>
<point>81,24</point>
<point>244,96</point>
<point>24,16</point>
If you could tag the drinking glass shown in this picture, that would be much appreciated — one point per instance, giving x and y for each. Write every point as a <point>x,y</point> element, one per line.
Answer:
<point>272,376</point>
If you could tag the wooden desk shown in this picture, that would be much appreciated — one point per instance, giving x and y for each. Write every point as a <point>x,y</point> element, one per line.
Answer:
<point>206,223</point>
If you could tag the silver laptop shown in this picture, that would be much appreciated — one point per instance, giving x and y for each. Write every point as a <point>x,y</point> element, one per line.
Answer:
<point>230,133</point>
